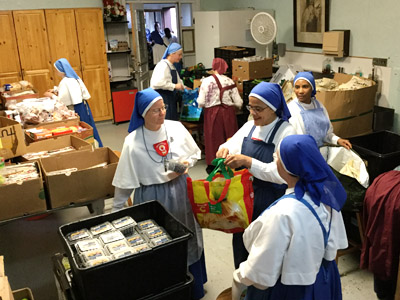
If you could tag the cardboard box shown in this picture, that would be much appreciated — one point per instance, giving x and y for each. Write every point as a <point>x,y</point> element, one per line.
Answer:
<point>67,122</point>
<point>196,83</point>
<point>247,70</point>
<point>351,111</point>
<point>5,289</point>
<point>89,182</point>
<point>239,84</point>
<point>24,293</point>
<point>86,135</point>
<point>13,95</point>
<point>12,140</point>
<point>23,199</point>
<point>336,43</point>
<point>58,143</point>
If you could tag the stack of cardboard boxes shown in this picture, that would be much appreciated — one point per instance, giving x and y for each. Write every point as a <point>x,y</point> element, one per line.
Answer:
<point>55,187</point>
<point>250,68</point>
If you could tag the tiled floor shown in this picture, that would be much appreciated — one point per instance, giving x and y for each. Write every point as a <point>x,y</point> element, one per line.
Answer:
<point>28,245</point>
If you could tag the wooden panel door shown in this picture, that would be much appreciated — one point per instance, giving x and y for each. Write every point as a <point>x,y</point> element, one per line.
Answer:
<point>10,68</point>
<point>89,23</point>
<point>63,40</point>
<point>33,47</point>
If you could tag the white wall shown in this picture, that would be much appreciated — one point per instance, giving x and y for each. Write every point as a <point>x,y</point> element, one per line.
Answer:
<point>40,4</point>
<point>215,29</point>
<point>373,26</point>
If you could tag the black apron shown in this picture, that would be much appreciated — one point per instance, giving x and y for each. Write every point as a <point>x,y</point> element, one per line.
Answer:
<point>170,98</point>
<point>265,193</point>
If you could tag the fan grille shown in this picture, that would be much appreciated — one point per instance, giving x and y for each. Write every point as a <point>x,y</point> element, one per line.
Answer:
<point>263,28</point>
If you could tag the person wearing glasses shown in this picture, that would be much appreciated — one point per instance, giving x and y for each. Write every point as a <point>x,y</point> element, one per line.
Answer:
<point>309,116</point>
<point>154,161</point>
<point>166,81</point>
<point>253,146</point>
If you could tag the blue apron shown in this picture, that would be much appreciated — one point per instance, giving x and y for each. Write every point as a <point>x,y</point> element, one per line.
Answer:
<point>327,285</point>
<point>169,97</point>
<point>265,193</point>
<point>315,122</point>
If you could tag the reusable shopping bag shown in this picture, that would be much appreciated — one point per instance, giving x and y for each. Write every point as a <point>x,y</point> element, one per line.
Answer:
<point>223,201</point>
<point>190,108</point>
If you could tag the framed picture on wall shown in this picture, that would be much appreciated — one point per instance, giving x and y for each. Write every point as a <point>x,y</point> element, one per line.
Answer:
<point>311,20</point>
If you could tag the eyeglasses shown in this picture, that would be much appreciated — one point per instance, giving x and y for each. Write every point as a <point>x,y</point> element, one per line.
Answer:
<point>256,109</point>
<point>156,111</point>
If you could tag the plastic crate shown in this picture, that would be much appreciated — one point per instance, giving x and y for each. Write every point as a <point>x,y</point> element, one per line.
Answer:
<point>383,118</point>
<point>179,292</point>
<point>139,275</point>
<point>248,85</point>
<point>380,150</point>
<point>231,52</point>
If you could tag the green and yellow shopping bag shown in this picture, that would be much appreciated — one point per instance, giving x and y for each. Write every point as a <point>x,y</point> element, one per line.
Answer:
<point>223,201</point>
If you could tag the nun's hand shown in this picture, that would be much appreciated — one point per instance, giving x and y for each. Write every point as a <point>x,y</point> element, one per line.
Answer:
<point>237,161</point>
<point>344,143</point>
<point>179,86</point>
<point>222,153</point>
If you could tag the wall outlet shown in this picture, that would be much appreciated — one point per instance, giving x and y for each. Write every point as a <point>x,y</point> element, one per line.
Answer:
<point>379,62</point>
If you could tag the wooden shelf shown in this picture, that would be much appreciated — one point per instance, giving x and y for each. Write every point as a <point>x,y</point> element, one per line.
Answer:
<point>116,22</point>
<point>121,78</point>
<point>117,52</point>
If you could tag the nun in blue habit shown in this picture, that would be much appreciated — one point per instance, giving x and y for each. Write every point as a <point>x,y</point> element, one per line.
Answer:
<point>309,116</point>
<point>141,170</point>
<point>292,245</point>
<point>166,81</point>
<point>74,94</point>
<point>253,146</point>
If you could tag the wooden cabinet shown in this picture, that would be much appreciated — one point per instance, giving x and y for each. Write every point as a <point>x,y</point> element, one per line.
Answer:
<point>89,22</point>
<point>63,40</point>
<point>32,40</point>
<point>33,48</point>
<point>9,63</point>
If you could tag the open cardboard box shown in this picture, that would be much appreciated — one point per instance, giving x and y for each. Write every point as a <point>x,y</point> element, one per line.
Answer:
<point>12,141</point>
<point>86,135</point>
<point>351,111</point>
<point>58,143</point>
<point>5,289</point>
<point>23,199</point>
<point>22,294</point>
<point>19,96</point>
<point>89,182</point>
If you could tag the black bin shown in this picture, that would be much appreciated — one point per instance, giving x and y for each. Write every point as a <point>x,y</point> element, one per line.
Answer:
<point>138,276</point>
<point>380,149</point>
<point>231,52</point>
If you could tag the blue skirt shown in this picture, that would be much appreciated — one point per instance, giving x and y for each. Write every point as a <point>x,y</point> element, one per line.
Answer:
<point>327,286</point>
<point>85,114</point>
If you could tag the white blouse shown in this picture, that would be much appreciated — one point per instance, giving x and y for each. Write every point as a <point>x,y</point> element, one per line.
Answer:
<point>261,170</point>
<point>161,77</point>
<point>140,166</point>
<point>297,120</point>
<point>209,93</point>
<point>287,241</point>
<point>72,91</point>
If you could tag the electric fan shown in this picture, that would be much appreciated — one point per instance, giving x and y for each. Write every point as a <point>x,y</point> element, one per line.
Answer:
<point>263,30</point>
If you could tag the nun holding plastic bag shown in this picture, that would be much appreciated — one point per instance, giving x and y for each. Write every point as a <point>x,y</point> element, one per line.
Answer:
<point>253,147</point>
